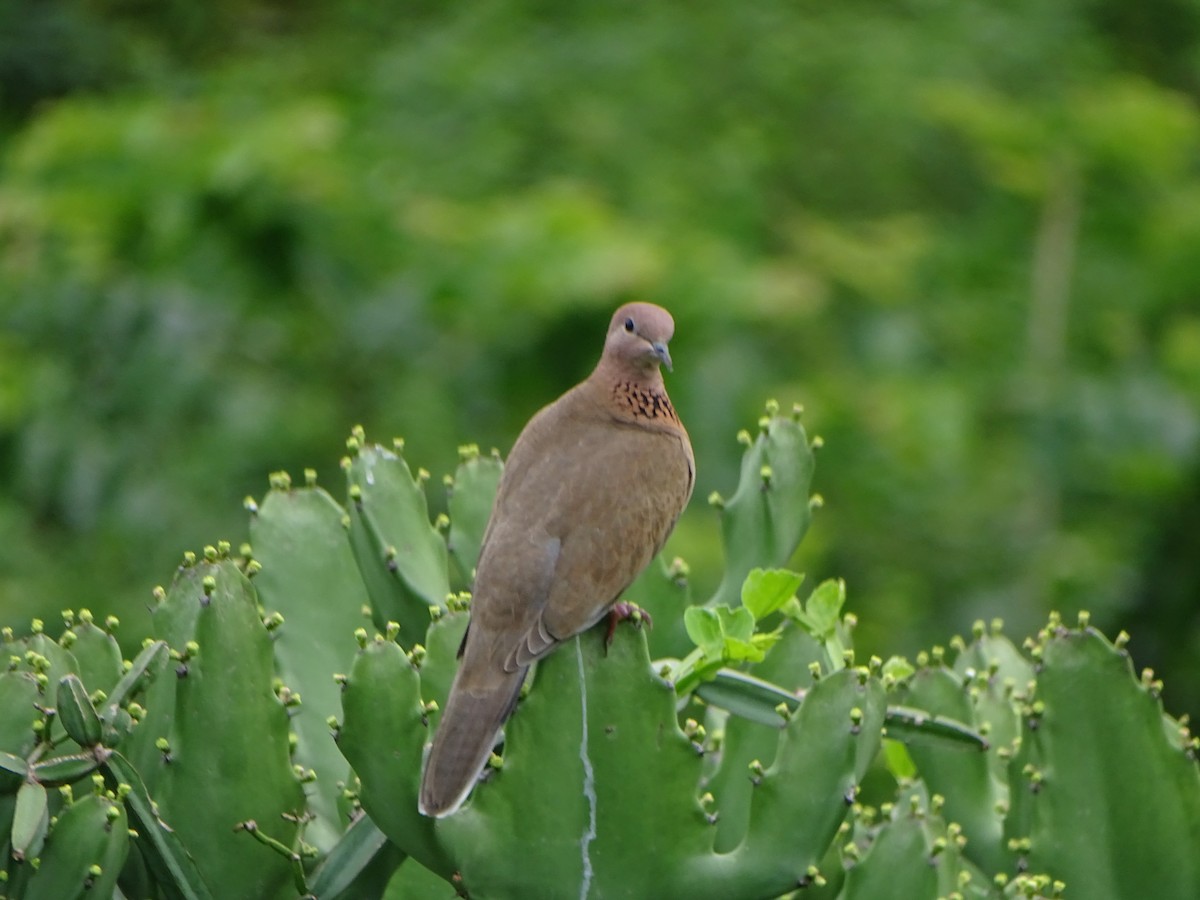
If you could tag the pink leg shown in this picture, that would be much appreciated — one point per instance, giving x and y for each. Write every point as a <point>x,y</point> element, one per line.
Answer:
<point>621,611</point>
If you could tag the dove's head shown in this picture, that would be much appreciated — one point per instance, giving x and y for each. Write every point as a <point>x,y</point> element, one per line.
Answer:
<point>638,336</point>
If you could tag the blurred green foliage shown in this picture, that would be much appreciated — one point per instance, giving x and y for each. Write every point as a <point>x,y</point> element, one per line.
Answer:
<point>965,235</point>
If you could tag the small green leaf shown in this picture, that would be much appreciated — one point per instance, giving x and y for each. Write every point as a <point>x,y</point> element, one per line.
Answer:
<point>766,590</point>
<point>824,607</point>
<point>738,650</point>
<point>736,623</point>
<point>764,641</point>
<point>704,628</point>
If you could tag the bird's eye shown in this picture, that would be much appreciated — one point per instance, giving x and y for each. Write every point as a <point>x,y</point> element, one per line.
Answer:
<point>629,324</point>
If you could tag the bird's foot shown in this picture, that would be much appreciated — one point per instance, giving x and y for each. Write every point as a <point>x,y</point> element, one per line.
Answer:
<point>625,611</point>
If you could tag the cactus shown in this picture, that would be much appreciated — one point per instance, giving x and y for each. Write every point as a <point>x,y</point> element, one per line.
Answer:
<point>214,746</point>
<point>612,790</point>
<point>1086,783</point>
<point>470,493</point>
<point>1098,767</point>
<point>64,706</point>
<point>313,599</point>
<point>403,559</point>
<point>84,850</point>
<point>730,768</point>
<point>581,765</point>
<point>763,523</point>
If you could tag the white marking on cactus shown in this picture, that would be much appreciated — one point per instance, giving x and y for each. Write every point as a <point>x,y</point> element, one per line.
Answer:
<point>589,782</point>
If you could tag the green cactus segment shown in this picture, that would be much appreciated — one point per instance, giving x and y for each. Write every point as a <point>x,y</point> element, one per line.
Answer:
<point>84,851</point>
<point>76,712</point>
<point>800,802</point>
<point>974,796</point>
<point>359,845</point>
<point>383,736</point>
<point>164,854</point>
<point>41,654</point>
<point>444,638</point>
<point>664,592</point>
<point>403,559</point>
<point>749,739</point>
<point>309,576</point>
<point>226,757</point>
<point>96,651</point>
<point>412,881</point>
<point>763,523</point>
<point>1107,802</point>
<point>897,864</point>
<point>995,674</point>
<point>66,769</point>
<point>146,666</point>
<point>470,497</point>
<point>174,619</point>
<point>19,692</point>
<point>31,817</point>
<point>580,760</point>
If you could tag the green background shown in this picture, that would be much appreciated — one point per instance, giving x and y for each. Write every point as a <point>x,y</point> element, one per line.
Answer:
<point>965,235</point>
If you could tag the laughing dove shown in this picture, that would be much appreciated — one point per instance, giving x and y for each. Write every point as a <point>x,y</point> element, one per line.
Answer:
<point>589,494</point>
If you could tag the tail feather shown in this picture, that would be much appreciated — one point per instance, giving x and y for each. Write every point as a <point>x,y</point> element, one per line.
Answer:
<point>463,742</point>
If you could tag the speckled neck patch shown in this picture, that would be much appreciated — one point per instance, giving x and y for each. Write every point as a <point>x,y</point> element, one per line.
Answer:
<point>644,403</point>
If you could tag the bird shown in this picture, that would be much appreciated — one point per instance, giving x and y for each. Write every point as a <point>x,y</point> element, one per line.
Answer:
<point>589,494</point>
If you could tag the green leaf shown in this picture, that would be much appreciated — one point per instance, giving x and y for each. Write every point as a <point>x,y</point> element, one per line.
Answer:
<point>704,628</point>
<point>736,623</point>
<point>766,590</point>
<point>738,650</point>
<point>823,608</point>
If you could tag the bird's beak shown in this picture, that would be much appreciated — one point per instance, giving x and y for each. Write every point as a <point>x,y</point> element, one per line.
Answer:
<point>660,350</point>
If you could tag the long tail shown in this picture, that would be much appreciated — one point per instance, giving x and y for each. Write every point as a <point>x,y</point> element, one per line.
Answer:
<point>464,740</point>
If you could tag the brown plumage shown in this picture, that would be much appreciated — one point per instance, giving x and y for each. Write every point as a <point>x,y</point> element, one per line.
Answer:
<point>591,490</point>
